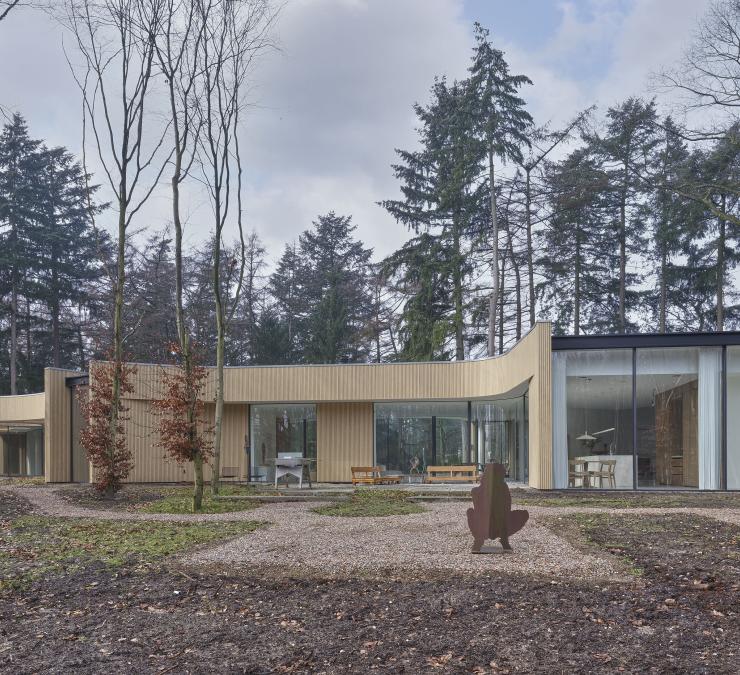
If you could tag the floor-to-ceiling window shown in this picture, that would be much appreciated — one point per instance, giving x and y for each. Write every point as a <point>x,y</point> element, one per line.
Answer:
<point>666,432</point>
<point>592,418</point>
<point>22,451</point>
<point>411,436</point>
<point>679,404</point>
<point>733,418</point>
<point>500,434</point>
<point>277,428</point>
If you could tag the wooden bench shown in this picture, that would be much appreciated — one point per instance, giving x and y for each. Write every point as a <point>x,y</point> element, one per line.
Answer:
<point>452,474</point>
<point>371,475</point>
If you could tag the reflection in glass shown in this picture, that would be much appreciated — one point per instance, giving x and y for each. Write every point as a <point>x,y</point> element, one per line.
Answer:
<point>412,436</point>
<point>592,418</point>
<point>281,428</point>
<point>733,418</point>
<point>678,417</point>
<point>500,435</point>
<point>22,451</point>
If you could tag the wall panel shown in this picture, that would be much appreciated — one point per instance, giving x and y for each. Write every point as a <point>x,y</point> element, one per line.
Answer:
<point>57,429</point>
<point>344,439</point>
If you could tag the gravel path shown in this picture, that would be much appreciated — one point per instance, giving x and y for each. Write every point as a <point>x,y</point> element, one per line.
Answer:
<point>438,539</point>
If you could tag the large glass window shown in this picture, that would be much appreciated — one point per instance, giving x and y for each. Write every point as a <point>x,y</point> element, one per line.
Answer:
<point>592,418</point>
<point>733,418</point>
<point>679,403</point>
<point>500,435</point>
<point>281,429</point>
<point>22,451</point>
<point>411,436</point>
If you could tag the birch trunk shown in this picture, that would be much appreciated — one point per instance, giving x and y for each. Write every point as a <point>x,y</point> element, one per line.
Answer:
<point>493,300</point>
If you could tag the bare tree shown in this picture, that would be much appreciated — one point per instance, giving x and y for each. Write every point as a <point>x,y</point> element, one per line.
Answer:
<point>115,39</point>
<point>6,6</point>
<point>708,75</point>
<point>234,34</point>
<point>177,46</point>
<point>543,142</point>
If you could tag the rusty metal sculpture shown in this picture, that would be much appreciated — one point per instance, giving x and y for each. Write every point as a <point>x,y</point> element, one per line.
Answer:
<point>491,516</point>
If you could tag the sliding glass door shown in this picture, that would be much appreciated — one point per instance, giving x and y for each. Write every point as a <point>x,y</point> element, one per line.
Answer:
<point>648,417</point>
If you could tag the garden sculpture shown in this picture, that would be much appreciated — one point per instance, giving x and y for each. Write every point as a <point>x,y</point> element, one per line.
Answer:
<point>491,516</point>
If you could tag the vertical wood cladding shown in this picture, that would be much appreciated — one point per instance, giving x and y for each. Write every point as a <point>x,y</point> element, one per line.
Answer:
<point>344,395</point>
<point>344,439</point>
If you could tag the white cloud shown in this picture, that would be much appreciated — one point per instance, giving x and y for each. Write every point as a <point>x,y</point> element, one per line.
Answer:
<point>331,107</point>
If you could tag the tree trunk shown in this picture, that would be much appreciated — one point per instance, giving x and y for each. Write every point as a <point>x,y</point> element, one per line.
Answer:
<point>721,268</point>
<point>577,286</point>
<point>55,337</point>
<point>623,252</point>
<point>501,304</point>
<point>29,346</point>
<point>197,481</point>
<point>663,289</point>
<point>530,251</point>
<point>458,301</point>
<point>117,326</point>
<point>220,346</point>
<point>493,301</point>
<point>14,330</point>
<point>517,287</point>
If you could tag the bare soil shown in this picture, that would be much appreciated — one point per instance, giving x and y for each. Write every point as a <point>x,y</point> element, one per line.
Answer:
<point>678,616</point>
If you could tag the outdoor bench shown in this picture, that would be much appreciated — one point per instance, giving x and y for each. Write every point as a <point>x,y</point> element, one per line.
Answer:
<point>371,475</point>
<point>448,474</point>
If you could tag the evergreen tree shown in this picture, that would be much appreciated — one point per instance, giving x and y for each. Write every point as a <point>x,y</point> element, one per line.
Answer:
<point>580,287</point>
<point>333,289</point>
<point>419,272</point>
<point>442,194</point>
<point>501,124</point>
<point>66,249</point>
<point>671,217</point>
<point>19,169</point>
<point>626,148</point>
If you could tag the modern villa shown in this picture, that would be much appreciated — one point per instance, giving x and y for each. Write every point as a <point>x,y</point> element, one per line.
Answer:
<point>612,412</point>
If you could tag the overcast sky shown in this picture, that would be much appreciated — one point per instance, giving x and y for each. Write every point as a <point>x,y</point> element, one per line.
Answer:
<point>334,103</point>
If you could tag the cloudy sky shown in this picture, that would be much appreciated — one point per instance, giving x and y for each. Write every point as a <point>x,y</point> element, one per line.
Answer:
<point>332,105</point>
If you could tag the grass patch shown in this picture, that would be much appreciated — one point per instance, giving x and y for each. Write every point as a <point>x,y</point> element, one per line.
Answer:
<point>372,503</point>
<point>23,481</point>
<point>35,546</point>
<point>180,500</point>
<point>627,499</point>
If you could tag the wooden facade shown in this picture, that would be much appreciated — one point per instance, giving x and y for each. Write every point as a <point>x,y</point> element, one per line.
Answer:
<point>344,396</point>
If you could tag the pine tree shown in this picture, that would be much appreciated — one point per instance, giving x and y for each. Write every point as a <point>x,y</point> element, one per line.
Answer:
<point>442,194</point>
<point>333,289</point>
<point>18,203</point>
<point>419,271</point>
<point>580,288</point>
<point>626,148</point>
<point>65,248</point>
<point>502,123</point>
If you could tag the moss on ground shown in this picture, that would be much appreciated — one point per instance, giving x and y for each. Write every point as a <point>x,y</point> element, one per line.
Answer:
<point>180,500</point>
<point>36,546</point>
<point>372,503</point>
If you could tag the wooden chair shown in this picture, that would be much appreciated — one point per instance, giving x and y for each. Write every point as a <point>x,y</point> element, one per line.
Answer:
<point>606,471</point>
<point>452,474</point>
<point>578,469</point>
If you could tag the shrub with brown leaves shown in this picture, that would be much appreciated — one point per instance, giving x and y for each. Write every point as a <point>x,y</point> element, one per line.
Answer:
<point>103,432</point>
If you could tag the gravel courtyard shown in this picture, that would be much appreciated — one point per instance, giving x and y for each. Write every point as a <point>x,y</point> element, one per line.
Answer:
<point>586,590</point>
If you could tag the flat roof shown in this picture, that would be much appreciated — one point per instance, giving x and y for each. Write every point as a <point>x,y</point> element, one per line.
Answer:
<point>629,340</point>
